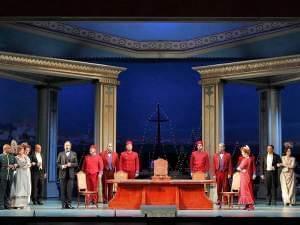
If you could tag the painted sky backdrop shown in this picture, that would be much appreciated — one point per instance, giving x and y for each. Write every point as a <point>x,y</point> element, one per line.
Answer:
<point>172,84</point>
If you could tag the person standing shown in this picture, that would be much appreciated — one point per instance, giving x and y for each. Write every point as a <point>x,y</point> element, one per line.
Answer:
<point>199,161</point>
<point>27,153</point>
<point>129,161</point>
<point>110,166</point>
<point>287,177</point>
<point>21,186</point>
<point>37,175</point>
<point>8,165</point>
<point>222,170</point>
<point>246,196</point>
<point>269,172</point>
<point>66,163</point>
<point>93,168</point>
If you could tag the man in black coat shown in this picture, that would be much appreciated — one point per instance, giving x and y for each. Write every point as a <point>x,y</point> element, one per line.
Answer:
<point>7,166</point>
<point>38,175</point>
<point>67,163</point>
<point>269,172</point>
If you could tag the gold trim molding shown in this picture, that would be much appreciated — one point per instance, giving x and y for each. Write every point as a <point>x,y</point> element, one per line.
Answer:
<point>59,67</point>
<point>274,65</point>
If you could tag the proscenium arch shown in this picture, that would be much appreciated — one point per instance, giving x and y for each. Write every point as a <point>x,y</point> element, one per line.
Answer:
<point>48,75</point>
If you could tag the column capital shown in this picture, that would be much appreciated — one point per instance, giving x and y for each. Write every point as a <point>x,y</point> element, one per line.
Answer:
<point>107,81</point>
<point>264,88</point>
<point>211,81</point>
<point>52,87</point>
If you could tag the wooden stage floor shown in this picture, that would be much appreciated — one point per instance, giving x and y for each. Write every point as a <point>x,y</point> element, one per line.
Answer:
<point>51,213</point>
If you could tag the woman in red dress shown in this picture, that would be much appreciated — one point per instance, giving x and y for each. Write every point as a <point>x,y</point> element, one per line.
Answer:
<point>246,196</point>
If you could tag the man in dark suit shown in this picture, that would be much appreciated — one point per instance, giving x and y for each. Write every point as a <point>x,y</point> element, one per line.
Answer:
<point>67,163</point>
<point>7,166</point>
<point>269,172</point>
<point>38,175</point>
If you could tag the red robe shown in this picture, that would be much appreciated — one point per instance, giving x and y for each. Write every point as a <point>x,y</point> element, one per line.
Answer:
<point>199,162</point>
<point>222,175</point>
<point>108,173</point>
<point>129,163</point>
<point>246,195</point>
<point>92,166</point>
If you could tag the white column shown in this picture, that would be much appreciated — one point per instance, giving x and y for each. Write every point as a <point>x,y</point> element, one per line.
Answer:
<point>270,131</point>
<point>212,119</point>
<point>105,118</point>
<point>47,127</point>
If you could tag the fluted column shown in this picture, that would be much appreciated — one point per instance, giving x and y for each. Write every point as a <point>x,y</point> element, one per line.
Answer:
<point>47,126</point>
<point>270,131</point>
<point>212,119</point>
<point>105,117</point>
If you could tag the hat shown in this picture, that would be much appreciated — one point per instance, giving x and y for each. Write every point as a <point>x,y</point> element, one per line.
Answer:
<point>199,142</point>
<point>93,146</point>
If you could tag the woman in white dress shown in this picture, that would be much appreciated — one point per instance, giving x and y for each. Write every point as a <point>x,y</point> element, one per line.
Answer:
<point>27,153</point>
<point>287,177</point>
<point>21,187</point>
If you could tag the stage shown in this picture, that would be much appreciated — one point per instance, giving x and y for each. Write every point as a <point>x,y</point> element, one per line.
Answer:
<point>51,212</point>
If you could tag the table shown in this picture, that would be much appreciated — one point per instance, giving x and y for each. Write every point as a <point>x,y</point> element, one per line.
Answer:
<point>185,194</point>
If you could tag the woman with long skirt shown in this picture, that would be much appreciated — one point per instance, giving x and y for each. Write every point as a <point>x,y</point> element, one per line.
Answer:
<point>21,187</point>
<point>246,196</point>
<point>287,178</point>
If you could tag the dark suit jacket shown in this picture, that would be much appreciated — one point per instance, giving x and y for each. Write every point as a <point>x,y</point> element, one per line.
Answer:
<point>263,163</point>
<point>35,169</point>
<point>4,172</point>
<point>62,159</point>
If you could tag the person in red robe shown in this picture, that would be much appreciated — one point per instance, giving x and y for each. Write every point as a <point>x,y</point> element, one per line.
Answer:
<point>110,166</point>
<point>129,161</point>
<point>93,168</point>
<point>246,196</point>
<point>199,161</point>
<point>222,170</point>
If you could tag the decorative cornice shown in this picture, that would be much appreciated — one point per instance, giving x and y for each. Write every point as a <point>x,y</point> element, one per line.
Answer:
<point>130,45</point>
<point>271,66</point>
<point>57,67</point>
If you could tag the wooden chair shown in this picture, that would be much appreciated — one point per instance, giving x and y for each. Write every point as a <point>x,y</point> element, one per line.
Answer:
<point>82,189</point>
<point>120,175</point>
<point>200,176</point>
<point>234,192</point>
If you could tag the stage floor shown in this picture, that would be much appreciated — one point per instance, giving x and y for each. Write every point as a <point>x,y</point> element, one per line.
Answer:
<point>51,208</point>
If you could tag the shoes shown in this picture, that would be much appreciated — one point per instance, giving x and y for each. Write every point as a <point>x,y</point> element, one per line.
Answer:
<point>69,206</point>
<point>251,207</point>
<point>34,202</point>
<point>40,203</point>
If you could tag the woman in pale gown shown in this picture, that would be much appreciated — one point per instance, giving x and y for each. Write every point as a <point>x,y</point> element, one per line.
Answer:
<point>27,153</point>
<point>287,177</point>
<point>246,196</point>
<point>21,187</point>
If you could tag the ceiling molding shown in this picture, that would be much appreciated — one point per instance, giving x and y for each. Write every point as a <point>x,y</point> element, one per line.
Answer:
<point>159,49</point>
